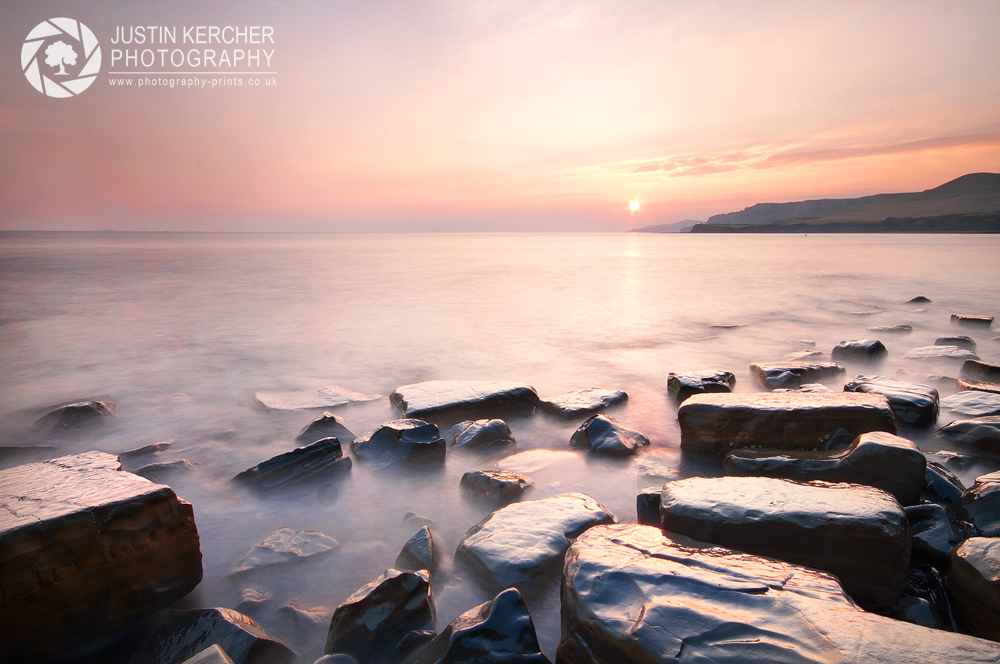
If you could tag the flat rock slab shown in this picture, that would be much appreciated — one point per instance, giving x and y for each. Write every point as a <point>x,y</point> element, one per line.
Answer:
<point>633,593</point>
<point>321,397</point>
<point>897,329</point>
<point>318,461</point>
<point>973,403</point>
<point>284,546</point>
<point>972,320</point>
<point>84,549</point>
<point>857,532</point>
<point>602,434</point>
<point>977,370</point>
<point>981,433</point>
<point>793,374</point>
<point>582,402</point>
<point>877,459</point>
<point>456,397</point>
<point>940,353</point>
<point>859,350</point>
<point>914,404</point>
<point>517,543</point>
<point>974,585</point>
<point>682,385</point>
<point>718,423</point>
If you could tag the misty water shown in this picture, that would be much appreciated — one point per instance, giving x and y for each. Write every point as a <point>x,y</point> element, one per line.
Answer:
<point>181,330</point>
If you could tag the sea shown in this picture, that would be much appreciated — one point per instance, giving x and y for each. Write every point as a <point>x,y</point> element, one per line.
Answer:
<point>182,330</point>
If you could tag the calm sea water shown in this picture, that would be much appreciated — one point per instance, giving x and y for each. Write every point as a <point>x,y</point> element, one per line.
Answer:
<point>181,330</point>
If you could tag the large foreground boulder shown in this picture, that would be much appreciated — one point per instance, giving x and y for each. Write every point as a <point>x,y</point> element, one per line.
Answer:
<point>974,585</point>
<point>914,404</point>
<point>857,532</point>
<point>315,462</point>
<point>633,593</point>
<point>793,374</point>
<point>436,398</point>
<point>718,423</point>
<point>85,549</point>
<point>688,383</point>
<point>602,434</point>
<point>400,443</point>
<point>583,402</point>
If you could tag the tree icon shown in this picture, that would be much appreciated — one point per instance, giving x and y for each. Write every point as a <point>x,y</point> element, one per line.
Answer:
<point>58,54</point>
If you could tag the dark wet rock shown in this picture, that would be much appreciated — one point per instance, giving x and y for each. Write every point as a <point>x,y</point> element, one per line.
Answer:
<point>371,622</point>
<point>914,404</point>
<point>582,402</point>
<point>633,593</point>
<point>161,472</point>
<point>926,582</point>
<point>933,536</point>
<point>941,486</point>
<point>684,384</point>
<point>459,397</point>
<point>400,443</point>
<point>251,599</point>
<point>973,403</point>
<point>974,585</point>
<point>647,506</point>
<point>327,494</point>
<point>857,532</point>
<point>952,460</point>
<point>322,397</point>
<point>602,434</point>
<point>979,505</point>
<point>974,369</point>
<point>210,655</point>
<point>145,450</point>
<point>174,636</point>
<point>496,488</point>
<point>920,299</point>
<point>80,415</point>
<point>961,341</point>
<point>791,375</point>
<point>482,436</point>
<point>421,552</point>
<point>284,546</point>
<point>876,459</point>
<point>525,540</point>
<point>981,433</point>
<point>978,385</point>
<point>499,630</point>
<point>313,463</point>
<point>85,548</point>
<point>940,353</point>
<point>900,329</point>
<point>416,520</point>
<point>859,350</point>
<point>718,423</point>
<point>326,425</point>
<point>972,320</point>
<point>410,644</point>
<point>658,467</point>
<point>920,611</point>
<point>841,438</point>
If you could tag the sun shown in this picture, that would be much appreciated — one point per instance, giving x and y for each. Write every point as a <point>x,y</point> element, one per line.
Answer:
<point>634,205</point>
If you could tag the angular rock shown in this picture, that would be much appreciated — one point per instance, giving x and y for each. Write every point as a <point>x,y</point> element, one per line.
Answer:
<point>84,550</point>
<point>372,621</point>
<point>78,415</point>
<point>482,435</point>
<point>460,397</point>
<point>857,532</point>
<point>633,593</point>
<point>159,472</point>
<point>499,630</point>
<point>941,486</point>
<point>876,459</point>
<point>145,450</point>
<point>904,329</point>
<point>920,299</point>
<point>978,506</point>
<point>859,350</point>
<point>914,404</point>
<point>313,463</point>
<point>974,369</point>
<point>988,477</point>
<point>283,546</point>
<point>647,506</point>
<point>326,425</point>
<point>978,385</point>
<point>981,433</point>
<point>948,459</point>
<point>174,636</point>
<point>940,353</point>
<point>718,423</point>
<point>791,375</point>
<point>420,552</point>
<point>961,341</point>
<point>400,443</point>
<point>525,540</point>
<point>582,402</point>
<point>974,585</point>
<point>602,434</point>
<point>933,536</point>
<point>685,384</point>
<point>210,655</point>
<point>322,397</point>
<point>496,488</point>
<point>972,320</point>
<point>973,403</point>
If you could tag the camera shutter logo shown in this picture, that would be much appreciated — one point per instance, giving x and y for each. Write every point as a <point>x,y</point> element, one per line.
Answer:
<point>54,45</point>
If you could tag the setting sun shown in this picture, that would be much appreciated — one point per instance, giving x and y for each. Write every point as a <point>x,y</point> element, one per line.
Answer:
<point>634,205</point>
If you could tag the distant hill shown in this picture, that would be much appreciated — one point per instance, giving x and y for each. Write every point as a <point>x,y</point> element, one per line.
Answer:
<point>946,223</point>
<point>675,227</point>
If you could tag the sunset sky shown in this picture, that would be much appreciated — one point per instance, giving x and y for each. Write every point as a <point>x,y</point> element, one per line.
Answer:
<point>536,115</point>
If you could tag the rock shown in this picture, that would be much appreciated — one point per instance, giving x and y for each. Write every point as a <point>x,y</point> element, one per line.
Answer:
<point>859,350</point>
<point>304,616</point>
<point>961,341</point>
<point>492,436</point>
<point>84,550</point>
<point>973,403</point>
<point>979,505</point>
<point>326,425</point>
<point>416,520</point>
<point>517,543</point>
<point>920,299</point>
<point>174,636</point>
<point>80,415</point>
<point>903,329</point>
<point>145,450</point>
<point>941,486</point>
<point>602,434</point>
<point>978,385</point>
<point>251,599</point>
<point>989,477</point>
<point>420,552</point>
<point>972,320</point>
<point>952,460</point>
<point>496,488</point>
<point>940,353</point>
<point>158,472</point>
<point>981,433</point>
<point>210,655</point>
<point>876,459</point>
<point>499,630</point>
<point>462,397</point>
<point>974,585</point>
<point>582,402</point>
<point>914,404</point>
<point>805,354</point>
<point>718,423</point>
<point>284,546</point>
<point>633,593</point>
<point>920,611</point>
<point>792,375</point>
<point>410,643</point>
<point>658,467</point>
<point>933,536</point>
<point>313,463</point>
<point>647,506</point>
<point>400,443</point>
<point>857,532</point>
<point>327,494</point>
<point>682,385</point>
<point>322,397</point>
<point>973,369</point>
<point>372,621</point>
<point>807,388</point>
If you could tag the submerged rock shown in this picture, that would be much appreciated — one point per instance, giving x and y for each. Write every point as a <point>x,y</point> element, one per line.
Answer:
<point>940,353</point>
<point>482,435</point>
<point>496,488</point>
<point>400,443</point>
<point>658,467</point>
<point>326,425</point>
<point>791,375</point>
<point>903,329</point>
<point>920,299</point>
<point>145,450</point>
<point>158,472</point>
<point>581,402</point>
<point>974,585</point>
<point>859,350</point>
<point>912,403</point>
<point>457,397</point>
<point>602,434</point>
<point>322,397</point>
<point>252,599</point>
<point>284,546</point>
<point>973,369</point>
<point>85,549</point>
<point>981,433</point>
<point>978,506</point>
<point>683,385</point>
<point>972,320</point>
<point>313,463</point>
<point>857,532</point>
<point>80,415</point>
<point>973,403</point>
<point>961,341</point>
<point>420,552</point>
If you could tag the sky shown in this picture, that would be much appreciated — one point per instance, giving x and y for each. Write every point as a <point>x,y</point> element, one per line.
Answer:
<point>505,116</point>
